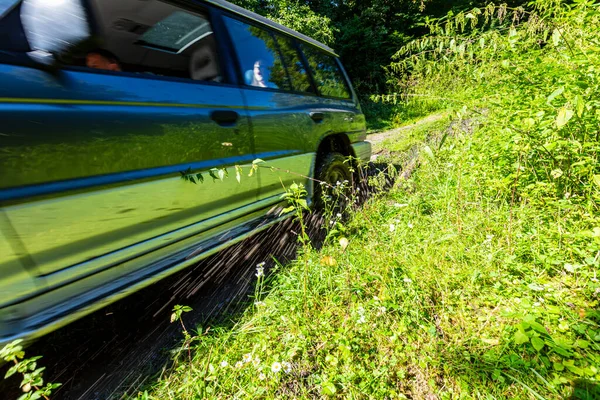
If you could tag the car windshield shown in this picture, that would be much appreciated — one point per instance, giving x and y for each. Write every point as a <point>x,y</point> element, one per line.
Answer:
<point>176,32</point>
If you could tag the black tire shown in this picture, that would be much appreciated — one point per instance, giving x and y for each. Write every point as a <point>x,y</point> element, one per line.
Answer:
<point>332,168</point>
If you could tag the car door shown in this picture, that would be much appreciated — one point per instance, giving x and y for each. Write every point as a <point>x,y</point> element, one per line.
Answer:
<point>91,161</point>
<point>281,100</point>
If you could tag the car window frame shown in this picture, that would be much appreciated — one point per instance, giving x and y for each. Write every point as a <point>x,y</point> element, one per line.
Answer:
<point>273,33</point>
<point>300,55</point>
<point>340,67</point>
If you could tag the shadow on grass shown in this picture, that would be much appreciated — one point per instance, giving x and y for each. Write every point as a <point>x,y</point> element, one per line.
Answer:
<point>125,346</point>
<point>503,373</point>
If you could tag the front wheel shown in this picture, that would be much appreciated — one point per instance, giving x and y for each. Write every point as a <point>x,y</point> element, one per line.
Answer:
<point>334,180</point>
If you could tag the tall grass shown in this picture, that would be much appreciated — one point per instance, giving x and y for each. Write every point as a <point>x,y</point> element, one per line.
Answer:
<point>476,277</point>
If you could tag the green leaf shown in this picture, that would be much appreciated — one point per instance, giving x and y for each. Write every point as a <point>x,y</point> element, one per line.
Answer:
<point>521,337</point>
<point>558,366</point>
<point>328,388</point>
<point>579,104</point>
<point>287,210</point>
<point>199,177</point>
<point>302,203</point>
<point>563,117</point>
<point>538,327</point>
<point>537,343</point>
<point>11,371</point>
<point>596,180</point>
<point>575,370</point>
<point>554,94</point>
<point>556,37</point>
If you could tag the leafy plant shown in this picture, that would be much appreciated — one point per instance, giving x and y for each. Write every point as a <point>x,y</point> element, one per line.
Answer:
<point>33,382</point>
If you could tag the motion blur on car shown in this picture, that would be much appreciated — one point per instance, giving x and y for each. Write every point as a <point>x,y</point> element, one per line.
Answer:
<point>105,103</point>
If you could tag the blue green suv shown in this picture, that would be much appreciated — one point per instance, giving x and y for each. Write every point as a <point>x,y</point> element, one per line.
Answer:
<point>104,103</point>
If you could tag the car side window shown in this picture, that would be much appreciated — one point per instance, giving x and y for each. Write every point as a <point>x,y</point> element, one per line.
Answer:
<point>154,37</point>
<point>327,74</point>
<point>258,56</point>
<point>296,70</point>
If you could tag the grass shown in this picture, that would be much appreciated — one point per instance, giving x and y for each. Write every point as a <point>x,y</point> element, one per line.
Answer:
<point>442,292</point>
<point>382,114</point>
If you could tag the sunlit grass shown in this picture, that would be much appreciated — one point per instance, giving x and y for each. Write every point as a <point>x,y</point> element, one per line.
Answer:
<point>424,301</point>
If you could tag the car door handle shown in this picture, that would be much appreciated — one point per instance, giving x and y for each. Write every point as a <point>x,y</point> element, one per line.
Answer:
<point>317,116</point>
<point>224,117</point>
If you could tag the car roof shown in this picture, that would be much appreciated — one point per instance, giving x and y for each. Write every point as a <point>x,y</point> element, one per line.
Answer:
<point>259,18</point>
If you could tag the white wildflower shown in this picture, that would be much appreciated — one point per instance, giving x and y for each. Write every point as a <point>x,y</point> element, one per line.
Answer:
<point>381,310</point>
<point>339,215</point>
<point>239,364</point>
<point>287,367</point>
<point>276,367</point>
<point>361,314</point>
<point>392,227</point>
<point>262,376</point>
<point>256,362</point>
<point>260,303</point>
<point>407,280</point>
<point>224,363</point>
<point>410,226</point>
<point>260,270</point>
<point>247,358</point>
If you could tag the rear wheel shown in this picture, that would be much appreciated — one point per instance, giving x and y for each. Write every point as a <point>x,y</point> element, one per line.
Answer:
<point>332,172</point>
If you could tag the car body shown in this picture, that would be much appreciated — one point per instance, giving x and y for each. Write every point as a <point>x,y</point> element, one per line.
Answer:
<point>92,204</point>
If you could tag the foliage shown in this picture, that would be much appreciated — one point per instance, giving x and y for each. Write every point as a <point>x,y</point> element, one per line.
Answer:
<point>32,383</point>
<point>295,15</point>
<point>435,289</point>
<point>477,276</point>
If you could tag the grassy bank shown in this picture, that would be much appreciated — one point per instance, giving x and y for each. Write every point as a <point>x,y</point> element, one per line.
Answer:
<point>474,277</point>
<point>443,291</point>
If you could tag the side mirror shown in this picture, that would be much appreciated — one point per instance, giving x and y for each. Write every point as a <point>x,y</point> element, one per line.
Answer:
<point>53,27</point>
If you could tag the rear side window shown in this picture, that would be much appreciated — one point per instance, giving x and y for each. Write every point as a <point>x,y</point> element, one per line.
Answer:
<point>296,70</point>
<point>327,74</point>
<point>155,38</point>
<point>258,56</point>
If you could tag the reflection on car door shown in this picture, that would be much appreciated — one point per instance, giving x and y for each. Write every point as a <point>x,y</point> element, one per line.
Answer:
<point>98,158</point>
